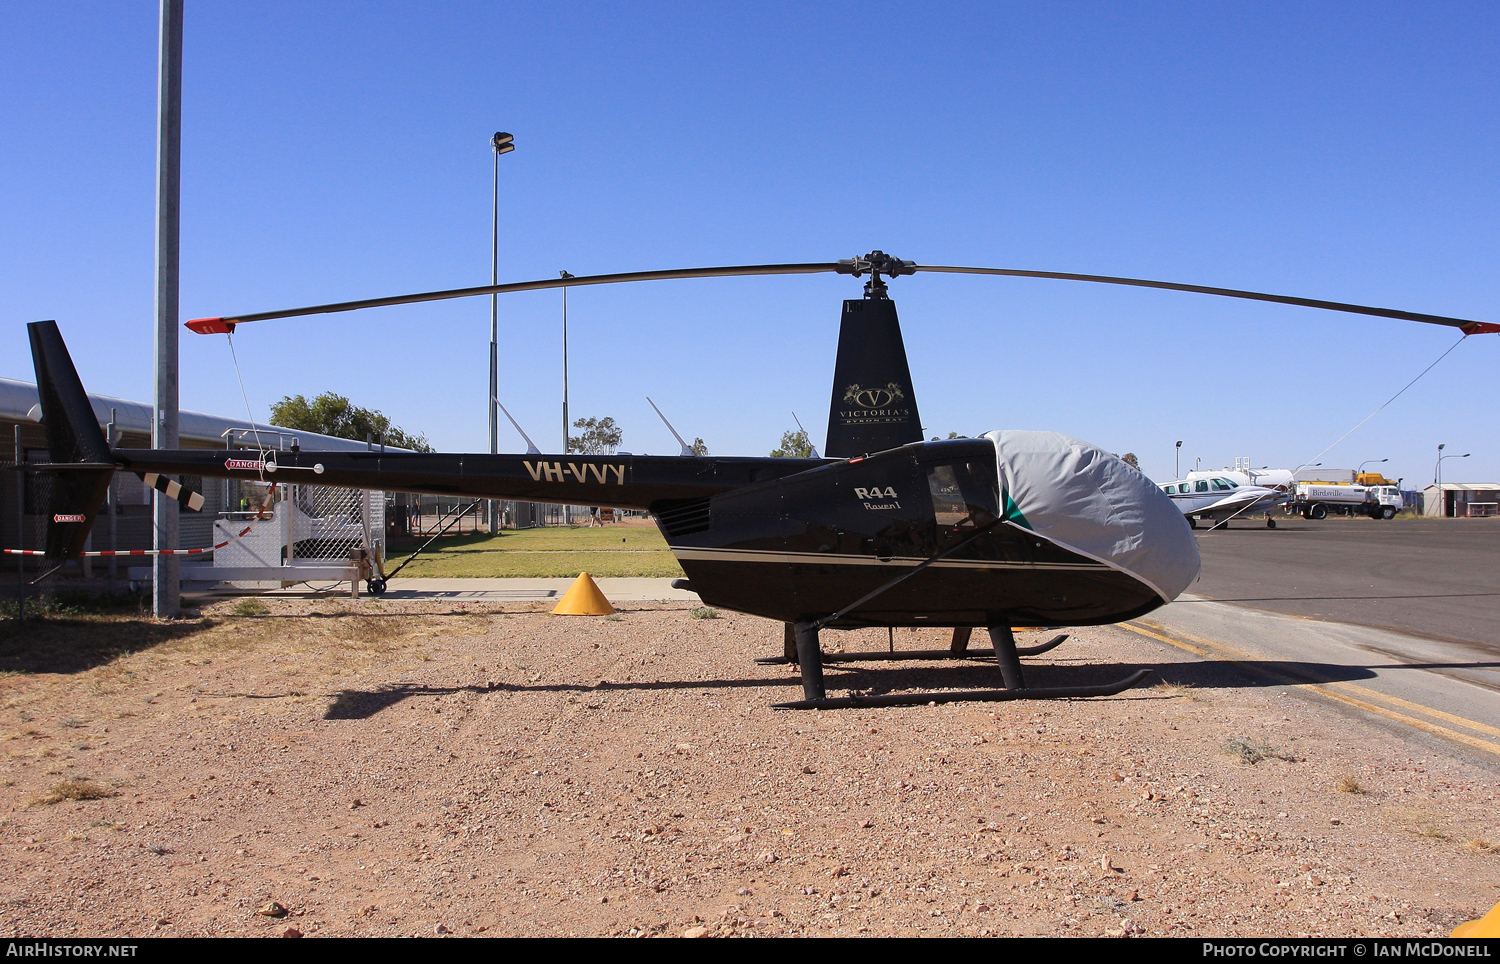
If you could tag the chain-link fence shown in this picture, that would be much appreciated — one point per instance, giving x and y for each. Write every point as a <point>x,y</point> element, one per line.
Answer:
<point>288,526</point>
<point>330,523</point>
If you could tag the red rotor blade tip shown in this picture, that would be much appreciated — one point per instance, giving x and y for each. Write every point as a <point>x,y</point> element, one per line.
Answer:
<point>1480,328</point>
<point>210,326</point>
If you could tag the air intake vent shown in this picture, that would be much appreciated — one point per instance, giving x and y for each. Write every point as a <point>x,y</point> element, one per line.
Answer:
<point>681,517</point>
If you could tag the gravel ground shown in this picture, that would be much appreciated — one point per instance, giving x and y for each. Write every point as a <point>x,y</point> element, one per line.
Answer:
<point>341,768</point>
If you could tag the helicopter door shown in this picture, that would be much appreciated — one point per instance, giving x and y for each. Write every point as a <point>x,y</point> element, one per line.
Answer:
<point>883,508</point>
<point>965,498</point>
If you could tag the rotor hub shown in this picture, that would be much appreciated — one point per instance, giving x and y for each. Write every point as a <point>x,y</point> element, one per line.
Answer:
<point>875,264</point>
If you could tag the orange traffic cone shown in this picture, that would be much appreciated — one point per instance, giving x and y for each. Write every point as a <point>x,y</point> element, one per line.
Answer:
<point>1486,926</point>
<point>583,599</point>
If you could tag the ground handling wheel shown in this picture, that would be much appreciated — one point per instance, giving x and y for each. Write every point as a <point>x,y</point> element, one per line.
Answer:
<point>376,586</point>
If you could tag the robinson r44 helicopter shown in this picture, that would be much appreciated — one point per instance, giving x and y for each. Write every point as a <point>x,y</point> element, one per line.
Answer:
<point>1010,529</point>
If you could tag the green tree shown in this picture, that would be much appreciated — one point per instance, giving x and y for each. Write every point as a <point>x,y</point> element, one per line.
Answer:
<point>1129,459</point>
<point>598,436</point>
<point>333,414</point>
<point>794,445</point>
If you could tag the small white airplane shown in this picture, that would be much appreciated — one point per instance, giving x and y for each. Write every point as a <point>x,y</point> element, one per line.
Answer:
<point>1217,498</point>
<point>1269,478</point>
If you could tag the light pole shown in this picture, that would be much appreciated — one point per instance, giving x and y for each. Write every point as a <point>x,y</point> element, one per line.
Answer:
<point>567,511</point>
<point>1439,479</point>
<point>166,587</point>
<point>501,143</point>
<point>565,276</point>
<point>1366,462</point>
<point>1178,474</point>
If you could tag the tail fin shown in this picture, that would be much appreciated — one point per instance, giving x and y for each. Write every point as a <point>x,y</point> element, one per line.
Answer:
<point>80,463</point>
<point>873,406</point>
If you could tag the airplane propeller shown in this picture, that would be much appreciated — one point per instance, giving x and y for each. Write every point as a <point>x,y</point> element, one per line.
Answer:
<point>876,263</point>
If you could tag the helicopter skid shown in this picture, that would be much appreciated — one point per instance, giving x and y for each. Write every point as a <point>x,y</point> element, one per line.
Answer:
<point>968,696</point>
<point>920,654</point>
<point>1041,648</point>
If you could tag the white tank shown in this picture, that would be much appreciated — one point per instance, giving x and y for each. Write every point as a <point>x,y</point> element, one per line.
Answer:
<point>1332,494</point>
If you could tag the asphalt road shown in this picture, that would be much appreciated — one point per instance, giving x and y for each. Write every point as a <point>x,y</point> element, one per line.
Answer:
<point>1435,578</point>
<point>1397,621</point>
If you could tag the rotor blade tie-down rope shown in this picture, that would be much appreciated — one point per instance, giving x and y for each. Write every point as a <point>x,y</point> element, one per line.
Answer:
<point>819,624</point>
<point>1356,428</point>
<point>423,546</point>
<point>254,429</point>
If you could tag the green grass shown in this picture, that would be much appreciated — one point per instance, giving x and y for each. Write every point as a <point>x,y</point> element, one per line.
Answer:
<point>73,602</point>
<point>540,553</point>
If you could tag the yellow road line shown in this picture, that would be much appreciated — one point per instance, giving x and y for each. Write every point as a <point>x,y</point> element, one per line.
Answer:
<point>1418,707</point>
<point>1208,643</point>
<point>1208,647</point>
<point>1423,725</point>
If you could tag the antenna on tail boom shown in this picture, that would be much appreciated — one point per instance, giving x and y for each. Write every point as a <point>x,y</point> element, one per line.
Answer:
<point>809,437</point>
<point>531,448</point>
<point>687,450</point>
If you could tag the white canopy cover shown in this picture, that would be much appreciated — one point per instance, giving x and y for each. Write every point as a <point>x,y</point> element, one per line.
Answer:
<point>1084,499</point>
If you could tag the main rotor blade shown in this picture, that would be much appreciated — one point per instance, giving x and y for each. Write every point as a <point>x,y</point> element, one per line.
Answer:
<point>208,326</point>
<point>1467,326</point>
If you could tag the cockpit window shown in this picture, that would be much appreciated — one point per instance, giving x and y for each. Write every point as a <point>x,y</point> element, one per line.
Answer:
<point>1222,485</point>
<point>963,493</point>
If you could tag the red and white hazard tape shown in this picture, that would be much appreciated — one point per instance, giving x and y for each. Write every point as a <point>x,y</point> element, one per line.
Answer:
<point>136,552</point>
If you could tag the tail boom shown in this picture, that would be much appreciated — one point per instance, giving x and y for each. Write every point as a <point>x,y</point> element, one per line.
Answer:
<point>621,481</point>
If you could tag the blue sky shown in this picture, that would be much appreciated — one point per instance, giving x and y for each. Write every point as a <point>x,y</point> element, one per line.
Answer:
<point>339,150</point>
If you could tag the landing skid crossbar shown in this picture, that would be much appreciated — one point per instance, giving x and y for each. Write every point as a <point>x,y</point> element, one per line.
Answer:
<point>968,696</point>
<point>921,654</point>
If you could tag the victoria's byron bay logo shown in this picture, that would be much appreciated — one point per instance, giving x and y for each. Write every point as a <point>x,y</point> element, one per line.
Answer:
<point>882,404</point>
<point>873,397</point>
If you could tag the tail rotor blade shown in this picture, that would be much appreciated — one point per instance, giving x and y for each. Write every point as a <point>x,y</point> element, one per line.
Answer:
<point>172,489</point>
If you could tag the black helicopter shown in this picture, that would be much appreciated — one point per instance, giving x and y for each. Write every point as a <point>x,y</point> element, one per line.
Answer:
<point>1011,529</point>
